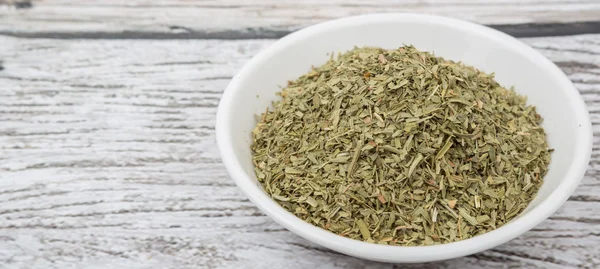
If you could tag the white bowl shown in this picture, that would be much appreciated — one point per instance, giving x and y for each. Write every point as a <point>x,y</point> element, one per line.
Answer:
<point>566,119</point>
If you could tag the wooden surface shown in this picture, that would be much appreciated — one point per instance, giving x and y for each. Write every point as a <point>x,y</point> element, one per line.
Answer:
<point>107,146</point>
<point>233,19</point>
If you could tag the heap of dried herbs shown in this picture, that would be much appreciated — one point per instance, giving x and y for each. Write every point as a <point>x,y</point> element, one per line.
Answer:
<point>400,147</point>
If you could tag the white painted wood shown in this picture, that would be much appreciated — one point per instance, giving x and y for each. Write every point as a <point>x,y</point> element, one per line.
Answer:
<point>108,160</point>
<point>184,16</point>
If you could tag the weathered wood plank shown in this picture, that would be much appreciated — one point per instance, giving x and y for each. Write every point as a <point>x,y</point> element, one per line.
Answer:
<point>108,160</point>
<point>263,18</point>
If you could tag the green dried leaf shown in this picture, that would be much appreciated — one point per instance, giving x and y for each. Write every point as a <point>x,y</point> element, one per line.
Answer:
<point>463,212</point>
<point>364,230</point>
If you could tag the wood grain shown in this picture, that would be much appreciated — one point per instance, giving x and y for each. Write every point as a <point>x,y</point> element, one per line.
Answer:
<point>108,160</point>
<point>257,19</point>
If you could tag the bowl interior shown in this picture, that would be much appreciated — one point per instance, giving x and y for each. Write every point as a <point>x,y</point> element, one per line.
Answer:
<point>514,64</point>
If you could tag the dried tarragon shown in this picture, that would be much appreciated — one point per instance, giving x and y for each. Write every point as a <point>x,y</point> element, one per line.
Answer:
<point>400,147</point>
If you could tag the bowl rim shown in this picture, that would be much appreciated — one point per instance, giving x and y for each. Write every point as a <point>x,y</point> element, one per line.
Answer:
<point>387,253</point>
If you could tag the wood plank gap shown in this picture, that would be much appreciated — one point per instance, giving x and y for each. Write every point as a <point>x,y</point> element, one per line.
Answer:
<point>178,32</point>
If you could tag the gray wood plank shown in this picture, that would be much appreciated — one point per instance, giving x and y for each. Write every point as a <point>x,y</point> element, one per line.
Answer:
<point>108,160</point>
<point>234,19</point>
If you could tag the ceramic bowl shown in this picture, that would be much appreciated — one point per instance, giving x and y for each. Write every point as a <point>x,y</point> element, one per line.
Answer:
<point>566,119</point>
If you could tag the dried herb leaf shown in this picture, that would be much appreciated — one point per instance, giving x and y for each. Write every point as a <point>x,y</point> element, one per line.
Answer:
<point>400,147</point>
